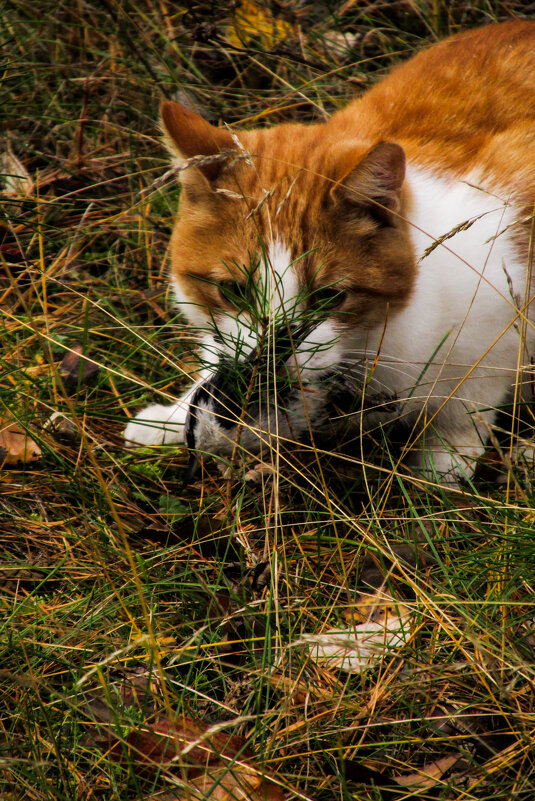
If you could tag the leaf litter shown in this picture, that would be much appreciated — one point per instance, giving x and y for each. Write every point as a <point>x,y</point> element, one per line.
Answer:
<point>16,445</point>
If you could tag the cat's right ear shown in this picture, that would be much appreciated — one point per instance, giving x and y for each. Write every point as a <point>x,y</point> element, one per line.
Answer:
<point>188,135</point>
<point>371,190</point>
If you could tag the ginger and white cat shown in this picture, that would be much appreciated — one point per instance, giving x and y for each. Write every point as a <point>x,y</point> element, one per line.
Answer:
<point>389,247</point>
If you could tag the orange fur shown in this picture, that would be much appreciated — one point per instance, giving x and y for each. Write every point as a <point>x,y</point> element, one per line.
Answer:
<point>467,103</point>
<point>333,198</point>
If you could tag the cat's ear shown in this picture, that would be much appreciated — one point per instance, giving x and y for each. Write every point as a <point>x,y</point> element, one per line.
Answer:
<point>187,135</point>
<point>372,188</point>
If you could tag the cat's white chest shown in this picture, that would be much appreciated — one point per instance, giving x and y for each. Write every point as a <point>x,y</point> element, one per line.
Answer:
<point>462,321</point>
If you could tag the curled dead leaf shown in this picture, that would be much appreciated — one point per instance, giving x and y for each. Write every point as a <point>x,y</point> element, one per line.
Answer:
<point>212,763</point>
<point>354,650</point>
<point>76,366</point>
<point>16,445</point>
<point>62,426</point>
<point>429,774</point>
<point>358,647</point>
<point>16,179</point>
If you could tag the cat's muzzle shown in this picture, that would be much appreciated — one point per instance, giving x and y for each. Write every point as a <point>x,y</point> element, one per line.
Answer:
<point>225,413</point>
<point>256,405</point>
<point>262,402</point>
<point>224,421</point>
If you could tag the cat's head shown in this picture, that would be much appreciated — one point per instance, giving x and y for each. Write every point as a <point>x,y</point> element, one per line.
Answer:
<point>289,248</point>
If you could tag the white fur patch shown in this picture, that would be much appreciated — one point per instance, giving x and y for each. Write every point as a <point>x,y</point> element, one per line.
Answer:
<point>282,275</point>
<point>157,425</point>
<point>465,287</point>
<point>456,335</point>
<point>320,351</point>
<point>277,288</point>
<point>193,313</point>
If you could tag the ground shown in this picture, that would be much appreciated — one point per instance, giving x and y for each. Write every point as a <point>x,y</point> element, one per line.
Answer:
<point>141,615</point>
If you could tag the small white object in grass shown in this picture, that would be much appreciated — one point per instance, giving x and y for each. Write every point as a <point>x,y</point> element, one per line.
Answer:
<point>62,425</point>
<point>15,178</point>
<point>156,425</point>
<point>357,648</point>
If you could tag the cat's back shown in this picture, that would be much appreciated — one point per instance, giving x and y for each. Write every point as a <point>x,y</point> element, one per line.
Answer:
<point>463,104</point>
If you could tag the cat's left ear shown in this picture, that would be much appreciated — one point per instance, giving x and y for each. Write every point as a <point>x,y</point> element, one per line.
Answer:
<point>189,135</point>
<point>373,186</point>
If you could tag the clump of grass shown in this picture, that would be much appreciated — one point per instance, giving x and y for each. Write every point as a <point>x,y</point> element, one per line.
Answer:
<point>126,592</point>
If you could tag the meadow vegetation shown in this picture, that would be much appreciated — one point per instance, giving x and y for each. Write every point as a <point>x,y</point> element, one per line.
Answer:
<point>140,615</point>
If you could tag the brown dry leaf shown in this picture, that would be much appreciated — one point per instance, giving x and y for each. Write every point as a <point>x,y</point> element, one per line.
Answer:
<point>16,446</point>
<point>429,775</point>
<point>76,365</point>
<point>240,782</point>
<point>216,764</point>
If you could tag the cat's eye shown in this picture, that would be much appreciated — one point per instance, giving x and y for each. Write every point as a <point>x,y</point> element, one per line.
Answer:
<point>233,292</point>
<point>327,297</point>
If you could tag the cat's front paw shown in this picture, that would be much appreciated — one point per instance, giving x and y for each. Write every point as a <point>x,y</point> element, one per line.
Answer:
<point>156,425</point>
<point>446,467</point>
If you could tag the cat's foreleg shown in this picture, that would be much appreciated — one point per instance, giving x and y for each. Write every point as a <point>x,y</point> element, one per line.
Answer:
<point>162,424</point>
<point>448,453</point>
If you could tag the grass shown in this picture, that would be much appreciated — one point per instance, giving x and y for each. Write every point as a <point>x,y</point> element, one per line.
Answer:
<point>132,605</point>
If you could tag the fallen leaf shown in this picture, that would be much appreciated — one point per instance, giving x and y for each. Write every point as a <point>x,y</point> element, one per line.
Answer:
<point>252,23</point>
<point>339,43</point>
<point>429,775</point>
<point>15,177</point>
<point>359,647</point>
<point>214,764</point>
<point>77,366</point>
<point>16,445</point>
